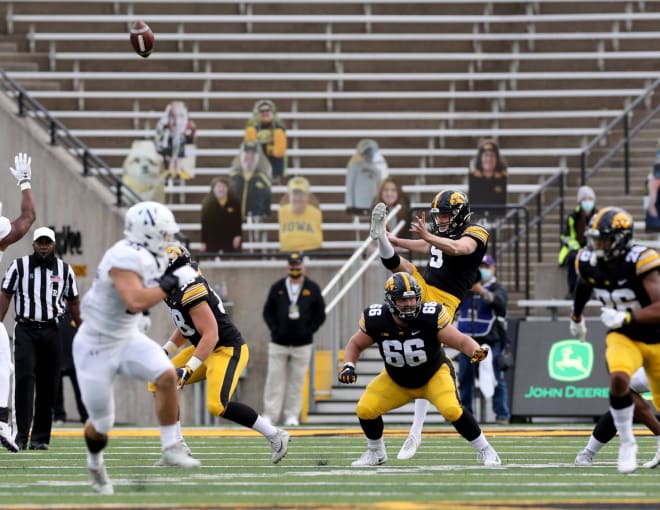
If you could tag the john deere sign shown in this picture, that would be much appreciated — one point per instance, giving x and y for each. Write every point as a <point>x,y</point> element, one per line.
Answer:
<point>559,376</point>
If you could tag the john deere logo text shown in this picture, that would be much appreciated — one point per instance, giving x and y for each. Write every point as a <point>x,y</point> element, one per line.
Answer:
<point>570,360</point>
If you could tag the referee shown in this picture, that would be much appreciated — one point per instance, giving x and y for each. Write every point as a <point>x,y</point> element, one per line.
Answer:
<point>40,283</point>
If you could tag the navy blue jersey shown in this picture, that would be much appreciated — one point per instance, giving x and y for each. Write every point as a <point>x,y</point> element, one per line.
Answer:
<point>457,274</point>
<point>411,352</point>
<point>181,301</point>
<point>622,287</point>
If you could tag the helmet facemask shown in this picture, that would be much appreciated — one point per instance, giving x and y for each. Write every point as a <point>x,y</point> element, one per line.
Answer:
<point>402,286</point>
<point>610,234</point>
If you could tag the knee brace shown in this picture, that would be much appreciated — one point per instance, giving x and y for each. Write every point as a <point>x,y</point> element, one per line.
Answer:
<point>96,445</point>
<point>392,263</point>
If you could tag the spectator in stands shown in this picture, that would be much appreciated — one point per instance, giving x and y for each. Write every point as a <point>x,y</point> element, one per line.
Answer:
<point>487,181</point>
<point>300,218</point>
<point>573,235</point>
<point>294,311</point>
<point>364,173</point>
<point>266,127</point>
<point>175,130</point>
<point>652,202</point>
<point>221,219</point>
<point>249,182</point>
<point>391,194</point>
<point>482,316</point>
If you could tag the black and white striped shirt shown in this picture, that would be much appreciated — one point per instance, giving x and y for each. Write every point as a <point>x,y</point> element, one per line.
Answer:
<point>39,291</point>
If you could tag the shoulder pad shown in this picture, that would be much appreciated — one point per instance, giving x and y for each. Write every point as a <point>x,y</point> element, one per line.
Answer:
<point>647,260</point>
<point>477,232</point>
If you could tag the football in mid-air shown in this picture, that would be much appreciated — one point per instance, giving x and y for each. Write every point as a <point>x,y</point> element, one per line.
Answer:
<point>142,39</point>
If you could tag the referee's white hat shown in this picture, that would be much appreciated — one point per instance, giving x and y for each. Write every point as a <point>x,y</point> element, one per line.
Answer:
<point>44,232</point>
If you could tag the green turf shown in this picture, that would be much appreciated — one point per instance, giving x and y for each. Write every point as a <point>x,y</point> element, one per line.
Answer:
<point>317,471</point>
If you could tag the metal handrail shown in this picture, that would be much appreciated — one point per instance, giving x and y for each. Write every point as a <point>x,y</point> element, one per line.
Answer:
<point>624,120</point>
<point>60,135</point>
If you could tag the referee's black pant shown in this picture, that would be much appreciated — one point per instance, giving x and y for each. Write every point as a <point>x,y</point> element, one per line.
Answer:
<point>37,360</point>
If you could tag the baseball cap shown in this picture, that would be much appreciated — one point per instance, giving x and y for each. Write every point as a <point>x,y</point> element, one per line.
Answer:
<point>488,261</point>
<point>295,257</point>
<point>299,184</point>
<point>44,232</point>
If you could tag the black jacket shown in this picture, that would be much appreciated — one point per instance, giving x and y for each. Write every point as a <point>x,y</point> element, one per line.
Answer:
<point>285,331</point>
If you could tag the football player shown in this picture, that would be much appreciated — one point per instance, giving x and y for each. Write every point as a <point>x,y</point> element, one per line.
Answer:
<point>129,279</point>
<point>604,431</point>
<point>218,353</point>
<point>10,232</point>
<point>455,248</point>
<point>409,334</point>
<point>625,278</point>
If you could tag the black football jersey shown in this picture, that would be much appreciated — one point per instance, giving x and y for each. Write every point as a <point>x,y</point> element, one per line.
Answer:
<point>411,352</point>
<point>457,274</point>
<point>622,288</point>
<point>182,301</point>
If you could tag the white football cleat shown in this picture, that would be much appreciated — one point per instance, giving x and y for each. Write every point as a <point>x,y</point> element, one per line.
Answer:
<point>160,462</point>
<point>177,455</point>
<point>654,462</point>
<point>488,457</point>
<point>6,437</point>
<point>627,461</point>
<point>100,481</point>
<point>378,215</point>
<point>279,445</point>
<point>585,458</point>
<point>371,458</point>
<point>409,448</point>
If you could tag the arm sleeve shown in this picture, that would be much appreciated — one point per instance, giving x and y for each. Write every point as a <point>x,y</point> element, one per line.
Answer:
<point>500,300</point>
<point>318,314</point>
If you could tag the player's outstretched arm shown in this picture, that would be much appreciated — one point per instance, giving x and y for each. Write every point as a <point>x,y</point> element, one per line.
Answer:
<point>21,225</point>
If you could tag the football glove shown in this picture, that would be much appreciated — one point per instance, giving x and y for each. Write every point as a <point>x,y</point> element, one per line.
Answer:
<point>170,281</point>
<point>22,172</point>
<point>182,375</point>
<point>479,355</point>
<point>347,374</point>
<point>578,329</point>
<point>614,319</point>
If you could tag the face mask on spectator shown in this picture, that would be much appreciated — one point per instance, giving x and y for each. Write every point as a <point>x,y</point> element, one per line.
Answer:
<point>587,205</point>
<point>486,274</point>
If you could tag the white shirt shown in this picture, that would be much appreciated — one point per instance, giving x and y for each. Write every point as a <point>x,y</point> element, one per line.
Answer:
<point>102,309</point>
<point>5,228</point>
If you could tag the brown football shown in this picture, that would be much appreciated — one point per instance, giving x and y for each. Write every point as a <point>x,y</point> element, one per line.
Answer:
<point>142,38</point>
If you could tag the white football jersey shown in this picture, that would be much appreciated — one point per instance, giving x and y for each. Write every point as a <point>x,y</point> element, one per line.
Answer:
<point>5,228</point>
<point>102,309</point>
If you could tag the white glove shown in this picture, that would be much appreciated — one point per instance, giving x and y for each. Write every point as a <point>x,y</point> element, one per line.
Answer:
<point>185,274</point>
<point>614,319</point>
<point>578,329</point>
<point>22,172</point>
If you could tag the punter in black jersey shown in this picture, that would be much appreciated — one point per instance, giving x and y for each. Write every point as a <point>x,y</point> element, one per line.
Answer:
<point>625,278</point>
<point>456,248</point>
<point>409,334</point>
<point>218,353</point>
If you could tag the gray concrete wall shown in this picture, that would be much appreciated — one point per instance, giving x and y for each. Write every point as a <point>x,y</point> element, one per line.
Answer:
<point>64,197</point>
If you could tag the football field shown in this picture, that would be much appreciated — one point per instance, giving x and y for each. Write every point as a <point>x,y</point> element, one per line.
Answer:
<point>537,472</point>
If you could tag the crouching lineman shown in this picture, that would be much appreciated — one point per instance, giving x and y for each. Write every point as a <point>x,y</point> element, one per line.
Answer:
<point>218,352</point>
<point>409,334</point>
<point>129,279</point>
